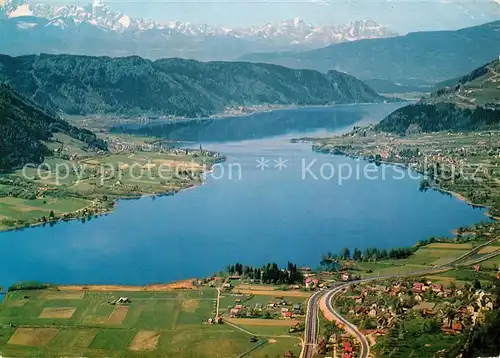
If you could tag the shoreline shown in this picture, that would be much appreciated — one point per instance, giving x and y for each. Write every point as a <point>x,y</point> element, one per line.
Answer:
<point>405,166</point>
<point>104,212</point>
<point>186,284</point>
<point>285,107</point>
<point>275,108</point>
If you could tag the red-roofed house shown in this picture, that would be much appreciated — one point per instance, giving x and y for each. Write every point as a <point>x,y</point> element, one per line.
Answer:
<point>347,351</point>
<point>417,287</point>
<point>437,288</point>
<point>457,327</point>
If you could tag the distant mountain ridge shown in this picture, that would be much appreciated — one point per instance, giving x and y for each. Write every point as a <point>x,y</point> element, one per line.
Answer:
<point>471,102</point>
<point>171,87</point>
<point>98,30</point>
<point>427,56</point>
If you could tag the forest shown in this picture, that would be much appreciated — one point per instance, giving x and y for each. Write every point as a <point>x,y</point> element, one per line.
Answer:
<point>424,118</point>
<point>130,86</point>
<point>25,127</point>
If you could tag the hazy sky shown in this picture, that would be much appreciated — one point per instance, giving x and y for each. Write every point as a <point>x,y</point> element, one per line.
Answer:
<point>401,15</point>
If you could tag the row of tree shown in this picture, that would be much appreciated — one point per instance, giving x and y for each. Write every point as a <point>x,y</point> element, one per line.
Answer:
<point>269,273</point>
<point>331,260</point>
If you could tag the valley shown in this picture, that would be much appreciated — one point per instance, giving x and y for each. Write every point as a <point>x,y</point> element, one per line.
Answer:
<point>345,205</point>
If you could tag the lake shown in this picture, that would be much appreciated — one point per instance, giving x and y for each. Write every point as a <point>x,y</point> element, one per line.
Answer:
<point>271,201</point>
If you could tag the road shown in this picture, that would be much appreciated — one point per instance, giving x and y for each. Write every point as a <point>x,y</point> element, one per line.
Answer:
<point>218,303</point>
<point>312,309</point>
<point>311,329</point>
<point>349,327</point>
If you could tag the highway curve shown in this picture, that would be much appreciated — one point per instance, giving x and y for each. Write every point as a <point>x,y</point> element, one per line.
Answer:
<point>311,329</point>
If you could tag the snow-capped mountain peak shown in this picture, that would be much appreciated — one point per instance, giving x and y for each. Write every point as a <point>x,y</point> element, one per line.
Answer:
<point>95,28</point>
<point>294,31</point>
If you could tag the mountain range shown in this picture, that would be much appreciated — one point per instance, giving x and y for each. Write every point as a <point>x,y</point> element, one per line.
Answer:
<point>83,85</point>
<point>95,29</point>
<point>428,57</point>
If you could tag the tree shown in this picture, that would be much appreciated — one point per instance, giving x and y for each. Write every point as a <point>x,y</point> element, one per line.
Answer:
<point>329,261</point>
<point>476,284</point>
<point>450,314</point>
<point>52,215</point>
<point>357,254</point>
<point>345,253</point>
<point>483,340</point>
<point>424,184</point>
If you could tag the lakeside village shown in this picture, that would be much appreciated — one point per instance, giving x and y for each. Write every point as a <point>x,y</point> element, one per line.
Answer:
<point>434,312</point>
<point>463,164</point>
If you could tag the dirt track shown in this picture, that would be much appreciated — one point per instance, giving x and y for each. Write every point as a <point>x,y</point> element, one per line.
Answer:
<point>184,285</point>
<point>272,293</point>
<point>262,322</point>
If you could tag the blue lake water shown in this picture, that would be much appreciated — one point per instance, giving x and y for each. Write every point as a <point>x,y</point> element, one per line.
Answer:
<point>251,216</point>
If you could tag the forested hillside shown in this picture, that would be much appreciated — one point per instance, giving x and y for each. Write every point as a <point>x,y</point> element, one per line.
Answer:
<point>132,85</point>
<point>23,128</point>
<point>439,117</point>
<point>471,102</point>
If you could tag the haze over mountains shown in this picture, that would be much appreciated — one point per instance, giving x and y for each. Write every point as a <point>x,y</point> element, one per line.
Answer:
<point>422,56</point>
<point>96,29</point>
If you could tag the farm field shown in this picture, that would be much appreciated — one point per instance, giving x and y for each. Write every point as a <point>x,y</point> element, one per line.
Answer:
<point>14,209</point>
<point>493,263</point>
<point>52,323</point>
<point>435,254</point>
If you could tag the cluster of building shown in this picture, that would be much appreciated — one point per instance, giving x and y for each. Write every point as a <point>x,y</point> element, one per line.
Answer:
<point>278,308</point>
<point>425,297</point>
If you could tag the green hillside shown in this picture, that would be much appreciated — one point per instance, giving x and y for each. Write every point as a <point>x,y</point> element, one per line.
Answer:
<point>132,85</point>
<point>471,102</point>
<point>479,88</point>
<point>24,127</point>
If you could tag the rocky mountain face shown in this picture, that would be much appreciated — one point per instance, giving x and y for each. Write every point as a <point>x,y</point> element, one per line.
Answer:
<point>171,87</point>
<point>95,29</point>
